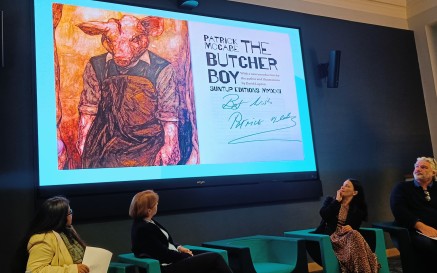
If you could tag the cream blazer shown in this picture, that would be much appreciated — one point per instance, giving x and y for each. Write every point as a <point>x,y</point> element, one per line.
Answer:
<point>49,254</point>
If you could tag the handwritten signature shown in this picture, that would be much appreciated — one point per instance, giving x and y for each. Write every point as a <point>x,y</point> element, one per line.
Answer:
<point>233,102</point>
<point>238,122</point>
<point>248,138</point>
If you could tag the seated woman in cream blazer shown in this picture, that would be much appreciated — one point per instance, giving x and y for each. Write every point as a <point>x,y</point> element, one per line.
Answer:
<point>53,246</point>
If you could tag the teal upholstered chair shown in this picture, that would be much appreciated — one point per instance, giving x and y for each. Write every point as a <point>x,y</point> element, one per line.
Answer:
<point>115,267</point>
<point>153,266</point>
<point>150,265</point>
<point>319,247</point>
<point>400,237</point>
<point>264,254</point>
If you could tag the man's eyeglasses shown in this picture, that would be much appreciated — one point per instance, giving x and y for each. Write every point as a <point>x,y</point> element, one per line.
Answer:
<point>427,196</point>
<point>70,212</point>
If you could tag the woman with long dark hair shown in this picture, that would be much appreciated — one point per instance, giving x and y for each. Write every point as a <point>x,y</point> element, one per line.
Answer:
<point>342,216</point>
<point>52,245</point>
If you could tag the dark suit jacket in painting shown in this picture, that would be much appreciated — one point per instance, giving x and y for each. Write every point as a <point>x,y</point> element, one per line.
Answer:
<point>148,241</point>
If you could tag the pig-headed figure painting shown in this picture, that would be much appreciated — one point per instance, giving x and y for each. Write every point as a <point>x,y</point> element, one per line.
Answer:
<point>126,91</point>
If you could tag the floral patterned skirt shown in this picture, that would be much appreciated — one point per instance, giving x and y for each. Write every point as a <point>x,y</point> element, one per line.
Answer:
<point>353,252</point>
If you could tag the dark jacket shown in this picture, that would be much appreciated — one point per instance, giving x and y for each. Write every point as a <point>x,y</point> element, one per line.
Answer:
<point>148,241</point>
<point>329,213</point>
<point>408,205</point>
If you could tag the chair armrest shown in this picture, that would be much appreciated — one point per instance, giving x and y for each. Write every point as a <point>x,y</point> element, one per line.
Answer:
<point>201,249</point>
<point>400,237</point>
<point>371,235</point>
<point>115,267</point>
<point>151,265</point>
<point>389,226</point>
<point>287,250</point>
<point>323,239</point>
<point>375,238</point>
<point>247,252</point>
<point>239,256</point>
<point>319,247</point>
<point>392,228</point>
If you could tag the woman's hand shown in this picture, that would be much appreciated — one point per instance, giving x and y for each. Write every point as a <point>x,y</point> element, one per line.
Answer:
<point>339,197</point>
<point>426,230</point>
<point>346,228</point>
<point>184,250</point>
<point>81,268</point>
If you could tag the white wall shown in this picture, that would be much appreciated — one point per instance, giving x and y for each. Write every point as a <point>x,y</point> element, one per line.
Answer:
<point>383,13</point>
<point>418,24</point>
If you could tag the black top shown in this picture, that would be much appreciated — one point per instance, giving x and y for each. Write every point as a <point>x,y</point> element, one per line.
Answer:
<point>329,213</point>
<point>408,204</point>
<point>148,241</point>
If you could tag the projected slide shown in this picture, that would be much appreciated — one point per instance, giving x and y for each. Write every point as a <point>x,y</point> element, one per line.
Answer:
<point>133,94</point>
<point>246,101</point>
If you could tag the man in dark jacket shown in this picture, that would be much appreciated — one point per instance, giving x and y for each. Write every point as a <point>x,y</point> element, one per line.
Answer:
<point>414,206</point>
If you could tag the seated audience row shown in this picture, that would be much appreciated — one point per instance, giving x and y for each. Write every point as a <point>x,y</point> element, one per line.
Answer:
<point>52,244</point>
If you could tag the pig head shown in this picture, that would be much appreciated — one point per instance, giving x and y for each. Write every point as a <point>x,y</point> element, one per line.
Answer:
<point>127,38</point>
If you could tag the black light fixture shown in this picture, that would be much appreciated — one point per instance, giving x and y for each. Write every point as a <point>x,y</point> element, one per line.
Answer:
<point>331,69</point>
<point>188,4</point>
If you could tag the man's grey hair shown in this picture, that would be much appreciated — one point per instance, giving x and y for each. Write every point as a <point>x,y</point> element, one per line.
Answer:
<point>430,160</point>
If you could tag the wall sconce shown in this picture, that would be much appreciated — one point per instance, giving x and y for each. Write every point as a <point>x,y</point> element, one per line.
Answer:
<point>331,69</point>
<point>188,4</point>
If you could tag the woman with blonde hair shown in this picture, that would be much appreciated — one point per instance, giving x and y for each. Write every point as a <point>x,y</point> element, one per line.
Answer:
<point>151,240</point>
